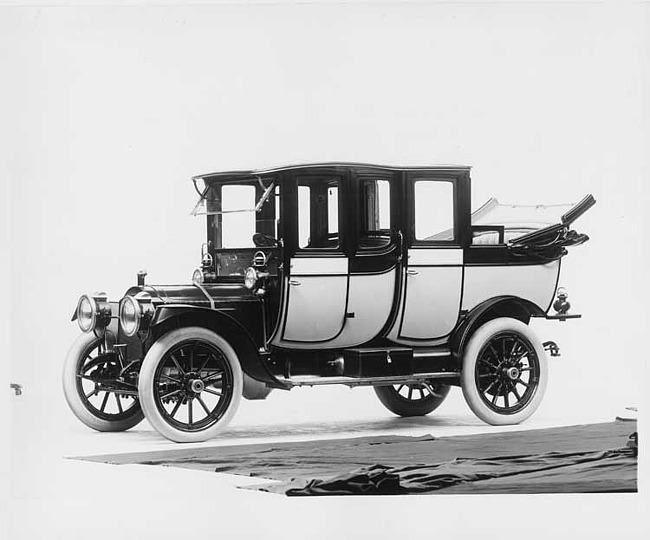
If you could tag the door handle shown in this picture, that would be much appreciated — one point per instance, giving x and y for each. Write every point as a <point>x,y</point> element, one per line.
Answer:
<point>412,272</point>
<point>294,283</point>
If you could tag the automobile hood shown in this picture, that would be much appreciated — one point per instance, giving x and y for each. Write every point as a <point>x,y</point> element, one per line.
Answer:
<point>219,293</point>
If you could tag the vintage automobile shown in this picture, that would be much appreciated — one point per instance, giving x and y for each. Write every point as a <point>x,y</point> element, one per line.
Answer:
<point>335,273</point>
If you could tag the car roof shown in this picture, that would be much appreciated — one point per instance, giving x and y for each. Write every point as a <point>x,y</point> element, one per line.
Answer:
<point>233,175</point>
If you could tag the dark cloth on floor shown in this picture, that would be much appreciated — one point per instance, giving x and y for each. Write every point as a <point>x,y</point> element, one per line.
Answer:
<point>297,463</point>
<point>382,480</point>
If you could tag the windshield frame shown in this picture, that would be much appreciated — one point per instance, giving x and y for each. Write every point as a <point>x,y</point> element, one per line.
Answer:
<point>267,209</point>
<point>201,208</point>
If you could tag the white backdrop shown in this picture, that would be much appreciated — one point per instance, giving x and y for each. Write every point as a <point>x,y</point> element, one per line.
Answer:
<point>108,112</point>
<point>114,110</point>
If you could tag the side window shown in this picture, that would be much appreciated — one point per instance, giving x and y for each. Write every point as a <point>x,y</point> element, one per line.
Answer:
<point>318,212</point>
<point>375,230</point>
<point>434,210</point>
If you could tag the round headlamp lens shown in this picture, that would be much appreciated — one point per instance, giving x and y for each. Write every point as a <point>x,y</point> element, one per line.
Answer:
<point>86,313</point>
<point>250,277</point>
<point>129,316</point>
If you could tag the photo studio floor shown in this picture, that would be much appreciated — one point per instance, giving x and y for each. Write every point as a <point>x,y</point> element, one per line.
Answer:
<point>67,479</point>
<point>592,458</point>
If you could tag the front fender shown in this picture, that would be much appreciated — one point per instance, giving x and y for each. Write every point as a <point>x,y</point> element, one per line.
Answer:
<point>250,352</point>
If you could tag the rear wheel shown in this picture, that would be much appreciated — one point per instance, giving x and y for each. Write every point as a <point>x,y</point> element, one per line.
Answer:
<point>414,399</point>
<point>504,372</point>
<point>95,390</point>
<point>190,384</point>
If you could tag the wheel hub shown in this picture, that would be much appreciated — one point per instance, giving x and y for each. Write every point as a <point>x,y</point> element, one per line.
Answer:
<point>192,384</point>
<point>197,386</point>
<point>512,373</point>
<point>506,373</point>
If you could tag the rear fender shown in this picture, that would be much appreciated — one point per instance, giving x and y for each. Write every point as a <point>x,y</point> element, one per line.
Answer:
<point>500,306</point>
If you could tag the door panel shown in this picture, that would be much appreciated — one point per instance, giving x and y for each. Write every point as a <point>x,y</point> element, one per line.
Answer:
<point>317,292</point>
<point>432,302</point>
<point>370,300</point>
<point>432,295</point>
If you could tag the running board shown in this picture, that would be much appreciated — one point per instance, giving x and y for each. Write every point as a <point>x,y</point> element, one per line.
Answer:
<point>314,380</point>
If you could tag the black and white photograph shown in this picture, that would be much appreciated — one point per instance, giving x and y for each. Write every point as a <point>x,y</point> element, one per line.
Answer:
<point>282,269</point>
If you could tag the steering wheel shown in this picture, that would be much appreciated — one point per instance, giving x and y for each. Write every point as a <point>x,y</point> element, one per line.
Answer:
<point>264,240</point>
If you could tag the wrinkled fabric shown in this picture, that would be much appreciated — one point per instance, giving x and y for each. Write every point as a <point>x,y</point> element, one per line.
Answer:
<point>382,480</point>
<point>296,464</point>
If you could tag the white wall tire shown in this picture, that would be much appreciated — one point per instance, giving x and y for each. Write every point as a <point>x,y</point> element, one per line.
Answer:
<point>505,372</point>
<point>98,409</point>
<point>190,385</point>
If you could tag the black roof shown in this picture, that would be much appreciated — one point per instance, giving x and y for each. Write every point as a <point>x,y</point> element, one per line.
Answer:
<point>234,175</point>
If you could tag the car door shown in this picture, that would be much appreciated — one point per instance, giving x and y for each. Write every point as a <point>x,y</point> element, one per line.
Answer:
<point>316,284</point>
<point>433,278</point>
<point>374,255</point>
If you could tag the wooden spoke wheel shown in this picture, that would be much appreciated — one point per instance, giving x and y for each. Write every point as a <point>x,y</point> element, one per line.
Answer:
<point>100,393</point>
<point>504,372</point>
<point>415,399</point>
<point>190,384</point>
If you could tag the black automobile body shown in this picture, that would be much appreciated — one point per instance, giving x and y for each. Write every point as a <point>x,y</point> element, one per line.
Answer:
<point>332,273</point>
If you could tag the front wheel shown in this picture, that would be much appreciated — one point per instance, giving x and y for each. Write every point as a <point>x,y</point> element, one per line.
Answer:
<point>504,372</point>
<point>95,388</point>
<point>190,384</point>
<point>412,399</point>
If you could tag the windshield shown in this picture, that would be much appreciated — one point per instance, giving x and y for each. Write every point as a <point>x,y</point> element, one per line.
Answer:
<point>242,218</point>
<point>238,195</point>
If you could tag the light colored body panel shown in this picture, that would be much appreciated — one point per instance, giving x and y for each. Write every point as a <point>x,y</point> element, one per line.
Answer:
<point>370,299</point>
<point>314,301</point>
<point>314,311</point>
<point>430,305</point>
<point>432,302</point>
<point>436,287</point>
<point>316,308</point>
<point>535,283</point>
